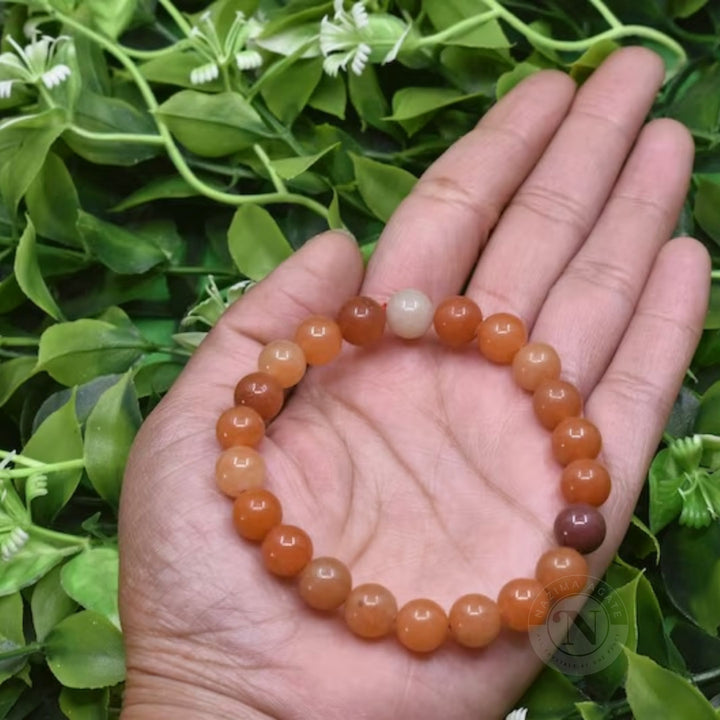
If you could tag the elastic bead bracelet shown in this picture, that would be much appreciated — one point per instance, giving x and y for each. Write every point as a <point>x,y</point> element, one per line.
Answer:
<point>325,583</point>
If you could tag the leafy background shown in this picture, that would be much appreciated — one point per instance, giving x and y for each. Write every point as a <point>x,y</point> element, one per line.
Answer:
<point>135,205</point>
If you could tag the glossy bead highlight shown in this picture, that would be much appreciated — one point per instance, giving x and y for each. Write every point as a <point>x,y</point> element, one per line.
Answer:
<point>240,425</point>
<point>523,603</point>
<point>585,481</point>
<point>409,313</point>
<point>421,625</point>
<point>562,572</point>
<point>319,338</point>
<point>500,336</point>
<point>370,611</point>
<point>581,527</point>
<point>456,320</point>
<point>555,400</point>
<point>325,583</point>
<point>474,620</point>
<point>284,360</point>
<point>575,439</point>
<point>361,321</point>
<point>286,550</point>
<point>534,363</point>
<point>238,469</point>
<point>262,392</point>
<point>255,513</point>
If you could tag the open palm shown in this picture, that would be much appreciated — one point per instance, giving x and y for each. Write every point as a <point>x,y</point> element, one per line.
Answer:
<point>422,468</point>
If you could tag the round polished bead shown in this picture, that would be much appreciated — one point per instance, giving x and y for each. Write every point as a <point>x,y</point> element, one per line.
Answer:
<point>421,625</point>
<point>319,338</point>
<point>261,392</point>
<point>585,481</point>
<point>581,527</point>
<point>555,400</point>
<point>523,603</point>
<point>474,620</point>
<point>500,336</point>
<point>255,513</point>
<point>456,320</point>
<point>562,572</point>
<point>284,360</point>
<point>409,313</point>
<point>238,469</point>
<point>240,425</point>
<point>575,439</point>
<point>286,550</point>
<point>325,583</point>
<point>361,321</point>
<point>370,610</point>
<point>534,363</point>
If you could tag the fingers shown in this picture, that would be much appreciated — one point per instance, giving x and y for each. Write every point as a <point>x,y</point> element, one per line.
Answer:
<point>632,401</point>
<point>556,207</point>
<point>588,309</point>
<point>316,280</point>
<point>434,237</point>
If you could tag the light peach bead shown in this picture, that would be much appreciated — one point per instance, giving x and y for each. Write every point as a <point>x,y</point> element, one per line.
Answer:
<point>284,360</point>
<point>534,363</point>
<point>238,469</point>
<point>409,313</point>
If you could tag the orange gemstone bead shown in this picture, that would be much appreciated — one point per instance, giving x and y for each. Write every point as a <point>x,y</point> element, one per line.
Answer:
<point>474,620</point>
<point>361,321</point>
<point>421,625</point>
<point>585,481</point>
<point>284,360</point>
<point>456,320</point>
<point>255,513</point>
<point>500,336</point>
<point>240,425</point>
<point>562,572</point>
<point>575,439</point>
<point>523,603</point>
<point>319,338</point>
<point>261,392</point>
<point>555,400</point>
<point>370,610</point>
<point>534,363</point>
<point>238,469</point>
<point>325,583</point>
<point>286,550</point>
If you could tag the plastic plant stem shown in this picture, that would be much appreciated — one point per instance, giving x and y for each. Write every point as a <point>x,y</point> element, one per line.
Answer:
<point>49,468</point>
<point>460,28</point>
<point>117,137</point>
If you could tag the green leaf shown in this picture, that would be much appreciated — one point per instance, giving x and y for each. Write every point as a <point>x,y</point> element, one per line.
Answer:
<point>594,56</point>
<point>109,433</point>
<point>286,93</point>
<point>86,651</point>
<point>368,99</point>
<point>382,187</point>
<point>76,352</point>
<point>686,8</point>
<point>174,68</point>
<point>654,692</point>
<point>330,96</point>
<point>550,696</point>
<point>591,711</point>
<point>212,125</point>
<point>49,604</point>
<point>110,17</point>
<point>256,243</point>
<point>56,440</point>
<point>290,168</point>
<point>29,277</point>
<point>707,208</point>
<point>13,373</point>
<point>708,419</point>
<point>698,106</point>
<point>664,481</point>
<point>162,188</point>
<point>122,251</point>
<point>53,203</point>
<point>84,704</point>
<point>9,694</point>
<point>11,633</point>
<point>412,102</point>
<point>444,13</point>
<point>335,220</point>
<point>91,579</point>
<point>640,541</point>
<point>24,144</point>
<point>690,565</point>
<point>508,80</point>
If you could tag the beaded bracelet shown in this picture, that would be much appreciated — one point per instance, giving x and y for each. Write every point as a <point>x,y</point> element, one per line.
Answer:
<point>325,583</point>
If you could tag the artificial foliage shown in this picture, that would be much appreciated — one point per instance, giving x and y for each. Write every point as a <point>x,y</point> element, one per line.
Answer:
<point>157,158</point>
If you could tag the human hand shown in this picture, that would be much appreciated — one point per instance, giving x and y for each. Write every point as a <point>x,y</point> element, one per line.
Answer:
<point>422,468</point>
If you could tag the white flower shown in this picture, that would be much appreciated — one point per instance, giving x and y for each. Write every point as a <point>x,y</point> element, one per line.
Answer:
<point>519,714</point>
<point>205,39</point>
<point>13,543</point>
<point>33,64</point>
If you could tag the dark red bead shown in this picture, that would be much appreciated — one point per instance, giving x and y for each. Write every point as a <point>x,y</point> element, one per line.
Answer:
<point>581,527</point>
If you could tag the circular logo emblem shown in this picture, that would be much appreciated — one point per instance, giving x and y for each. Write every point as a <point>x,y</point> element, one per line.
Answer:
<point>585,632</point>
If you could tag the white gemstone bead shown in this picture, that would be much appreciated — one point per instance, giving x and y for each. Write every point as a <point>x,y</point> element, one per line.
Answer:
<point>409,313</point>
